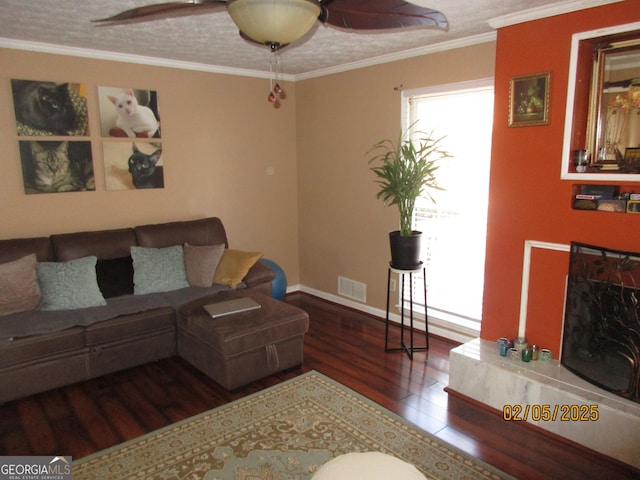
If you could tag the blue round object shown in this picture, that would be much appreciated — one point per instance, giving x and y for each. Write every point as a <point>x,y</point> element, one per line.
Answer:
<point>278,284</point>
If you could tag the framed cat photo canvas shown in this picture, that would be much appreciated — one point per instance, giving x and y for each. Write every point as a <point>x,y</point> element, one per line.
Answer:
<point>56,166</point>
<point>129,112</point>
<point>134,165</point>
<point>45,108</point>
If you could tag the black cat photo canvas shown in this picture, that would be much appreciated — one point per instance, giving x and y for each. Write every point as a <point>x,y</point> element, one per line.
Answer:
<point>129,112</point>
<point>133,165</point>
<point>44,108</point>
<point>56,166</point>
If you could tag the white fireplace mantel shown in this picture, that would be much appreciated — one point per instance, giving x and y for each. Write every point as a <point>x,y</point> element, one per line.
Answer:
<point>477,371</point>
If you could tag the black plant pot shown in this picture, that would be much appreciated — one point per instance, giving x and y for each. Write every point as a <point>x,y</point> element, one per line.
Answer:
<point>405,251</point>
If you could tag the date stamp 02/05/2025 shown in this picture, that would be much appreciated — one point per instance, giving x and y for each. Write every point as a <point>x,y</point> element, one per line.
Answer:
<point>550,413</point>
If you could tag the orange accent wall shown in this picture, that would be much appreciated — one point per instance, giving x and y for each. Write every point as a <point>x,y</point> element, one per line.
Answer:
<point>528,200</point>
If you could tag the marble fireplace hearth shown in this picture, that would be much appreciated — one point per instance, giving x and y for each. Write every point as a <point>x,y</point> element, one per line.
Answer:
<point>477,371</point>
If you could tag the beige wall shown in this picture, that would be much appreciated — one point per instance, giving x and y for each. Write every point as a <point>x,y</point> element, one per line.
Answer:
<point>221,139</point>
<point>317,215</point>
<point>343,227</point>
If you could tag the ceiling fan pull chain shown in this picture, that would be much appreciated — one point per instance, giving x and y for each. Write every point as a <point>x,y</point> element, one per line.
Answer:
<point>277,88</point>
<point>272,97</point>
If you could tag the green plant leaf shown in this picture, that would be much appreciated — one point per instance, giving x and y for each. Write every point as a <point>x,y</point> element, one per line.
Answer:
<point>405,170</point>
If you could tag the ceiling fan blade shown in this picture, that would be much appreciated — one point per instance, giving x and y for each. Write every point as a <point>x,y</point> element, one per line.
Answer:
<point>163,10</point>
<point>379,14</point>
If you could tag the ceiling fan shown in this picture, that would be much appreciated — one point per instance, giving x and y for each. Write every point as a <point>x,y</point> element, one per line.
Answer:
<point>277,23</point>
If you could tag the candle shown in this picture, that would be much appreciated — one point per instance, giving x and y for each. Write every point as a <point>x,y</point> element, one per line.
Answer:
<point>503,346</point>
<point>535,349</point>
<point>520,343</point>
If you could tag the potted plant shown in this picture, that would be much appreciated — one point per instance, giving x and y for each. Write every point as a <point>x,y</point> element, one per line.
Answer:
<point>405,169</point>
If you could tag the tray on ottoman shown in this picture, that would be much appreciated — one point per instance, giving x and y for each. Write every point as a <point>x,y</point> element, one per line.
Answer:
<point>237,349</point>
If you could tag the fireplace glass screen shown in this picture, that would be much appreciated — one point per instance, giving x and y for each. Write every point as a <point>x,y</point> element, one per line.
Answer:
<point>601,335</point>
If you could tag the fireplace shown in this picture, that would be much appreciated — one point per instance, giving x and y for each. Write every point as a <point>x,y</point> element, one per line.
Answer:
<point>601,333</point>
<point>478,372</point>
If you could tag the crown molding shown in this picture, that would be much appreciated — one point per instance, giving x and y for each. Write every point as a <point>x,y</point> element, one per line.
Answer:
<point>498,22</point>
<point>129,58</point>
<point>546,11</point>
<point>392,57</point>
<point>168,63</point>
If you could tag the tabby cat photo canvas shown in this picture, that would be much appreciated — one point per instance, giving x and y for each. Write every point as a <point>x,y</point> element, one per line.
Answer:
<point>56,166</point>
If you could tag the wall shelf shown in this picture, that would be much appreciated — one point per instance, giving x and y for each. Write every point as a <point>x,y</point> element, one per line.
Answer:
<point>604,198</point>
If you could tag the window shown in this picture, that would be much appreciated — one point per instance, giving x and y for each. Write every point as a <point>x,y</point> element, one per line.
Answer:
<point>454,228</point>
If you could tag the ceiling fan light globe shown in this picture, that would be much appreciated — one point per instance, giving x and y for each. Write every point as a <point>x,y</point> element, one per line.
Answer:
<point>274,21</point>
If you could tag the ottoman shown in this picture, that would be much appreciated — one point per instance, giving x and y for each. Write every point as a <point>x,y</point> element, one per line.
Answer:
<point>239,348</point>
<point>367,466</point>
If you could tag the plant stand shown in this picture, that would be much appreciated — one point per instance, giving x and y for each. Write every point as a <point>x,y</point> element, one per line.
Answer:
<point>403,347</point>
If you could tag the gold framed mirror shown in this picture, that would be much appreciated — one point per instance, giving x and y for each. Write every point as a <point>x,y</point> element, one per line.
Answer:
<point>614,116</point>
<point>602,123</point>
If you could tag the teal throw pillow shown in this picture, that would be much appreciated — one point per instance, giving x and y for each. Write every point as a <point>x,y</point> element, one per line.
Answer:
<point>158,269</point>
<point>69,285</point>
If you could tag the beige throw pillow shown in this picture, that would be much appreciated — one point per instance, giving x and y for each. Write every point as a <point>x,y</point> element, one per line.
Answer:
<point>201,263</point>
<point>19,289</point>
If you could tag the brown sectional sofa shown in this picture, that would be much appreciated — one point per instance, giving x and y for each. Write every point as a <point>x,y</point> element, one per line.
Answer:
<point>41,350</point>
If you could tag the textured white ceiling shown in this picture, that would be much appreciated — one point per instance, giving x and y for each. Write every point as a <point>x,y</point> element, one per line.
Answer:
<point>212,41</point>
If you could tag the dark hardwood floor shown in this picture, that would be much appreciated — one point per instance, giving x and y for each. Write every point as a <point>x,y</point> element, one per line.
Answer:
<point>345,345</point>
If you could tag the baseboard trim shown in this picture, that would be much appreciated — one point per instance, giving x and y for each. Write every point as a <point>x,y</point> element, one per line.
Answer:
<point>435,327</point>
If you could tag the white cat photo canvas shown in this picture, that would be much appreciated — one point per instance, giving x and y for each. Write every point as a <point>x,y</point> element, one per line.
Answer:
<point>129,112</point>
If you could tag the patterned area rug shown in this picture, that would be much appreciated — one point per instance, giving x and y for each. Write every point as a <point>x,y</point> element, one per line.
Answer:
<point>285,432</point>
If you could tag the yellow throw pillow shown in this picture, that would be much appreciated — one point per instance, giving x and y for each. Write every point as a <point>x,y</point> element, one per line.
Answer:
<point>234,266</point>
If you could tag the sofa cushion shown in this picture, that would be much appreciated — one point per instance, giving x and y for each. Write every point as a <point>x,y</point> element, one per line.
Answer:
<point>16,248</point>
<point>206,231</point>
<point>234,265</point>
<point>19,289</point>
<point>104,244</point>
<point>37,348</point>
<point>239,333</point>
<point>69,285</point>
<point>201,262</point>
<point>158,269</point>
<point>130,326</point>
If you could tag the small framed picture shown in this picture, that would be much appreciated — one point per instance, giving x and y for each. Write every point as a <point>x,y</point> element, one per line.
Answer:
<point>631,161</point>
<point>529,100</point>
<point>632,155</point>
